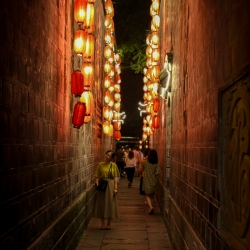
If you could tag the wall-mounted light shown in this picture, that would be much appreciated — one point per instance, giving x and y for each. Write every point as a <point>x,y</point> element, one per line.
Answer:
<point>166,76</point>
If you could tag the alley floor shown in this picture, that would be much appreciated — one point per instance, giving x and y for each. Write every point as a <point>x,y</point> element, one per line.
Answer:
<point>135,229</point>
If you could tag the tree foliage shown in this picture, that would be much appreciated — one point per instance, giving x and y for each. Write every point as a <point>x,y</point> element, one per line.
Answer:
<point>132,19</point>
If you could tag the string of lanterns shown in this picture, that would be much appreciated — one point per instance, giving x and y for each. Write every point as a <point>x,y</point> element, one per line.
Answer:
<point>151,76</point>
<point>83,77</point>
<point>112,80</point>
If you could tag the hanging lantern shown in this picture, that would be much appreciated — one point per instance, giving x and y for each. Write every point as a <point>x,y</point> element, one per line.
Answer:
<point>145,88</point>
<point>107,21</point>
<point>117,88</point>
<point>155,55</point>
<point>148,51</point>
<point>80,42</point>
<point>152,27</point>
<point>89,49</point>
<point>89,20</point>
<point>156,105</point>
<point>107,67</point>
<point>144,137</point>
<point>77,83</point>
<point>149,96</point>
<point>156,121</point>
<point>148,39</point>
<point>88,73</point>
<point>118,68</point>
<point>107,113</point>
<point>155,39</point>
<point>109,7</point>
<point>117,106</point>
<point>107,36</point>
<point>111,130</point>
<point>148,131</point>
<point>107,52</point>
<point>111,87</point>
<point>117,78</point>
<point>155,5</point>
<point>117,135</point>
<point>117,97</point>
<point>105,126</point>
<point>118,58</point>
<point>117,125</point>
<point>149,63</point>
<point>156,21</point>
<point>145,79</point>
<point>155,72</point>
<point>107,81</point>
<point>80,7</point>
<point>87,98</point>
<point>152,12</point>
<point>78,114</point>
<point>148,107</point>
<point>112,71</point>
<point>111,102</point>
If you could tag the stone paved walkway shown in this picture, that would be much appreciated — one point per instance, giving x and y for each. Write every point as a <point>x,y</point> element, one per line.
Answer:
<point>134,230</point>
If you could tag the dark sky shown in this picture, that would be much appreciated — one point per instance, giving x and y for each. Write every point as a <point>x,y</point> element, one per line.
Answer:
<point>132,20</point>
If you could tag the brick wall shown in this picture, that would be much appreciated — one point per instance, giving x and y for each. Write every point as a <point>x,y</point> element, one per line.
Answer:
<point>46,165</point>
<point>210,45</point>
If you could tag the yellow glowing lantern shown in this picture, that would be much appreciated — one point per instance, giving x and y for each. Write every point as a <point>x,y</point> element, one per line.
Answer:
<point>117,106</point>
<point>89,50</point>
<point>88,73</point>
<point>107,36</point>
<point>145,79</point>
<point>145,88</point>
<point>152,27</point>
<point>111,101</point>
<point>144,137</point>
<point>152,12</point>
<point>80,7</point>
<point>155,54</point>
<point>107,81</point>
<point>155,38</point>
<point>148,51</point>
<point>107,52</point>
<point>155,5</point>
<point>107,113</point>
<point>87,98</point>
<point>107,67</point>
<point>149,62</point>
<point>111,130</point>
<point>156,21</point>
<point>117,97</point>
<point>107,97</point>
<point>118,68</point>
<point>80,42</point>
<point>111,58</point>
<point>118,58</point>
<point>112,71</point>
<point>109,7</point>
<point>148,39</point>
<point>89,21</point>
<point>117,88</point>
<point>111,87</point>
<point>148,107</point>
<point>148,74</point>
<point>155,72</point>
<point>107,21</point>
<point>106,126</point>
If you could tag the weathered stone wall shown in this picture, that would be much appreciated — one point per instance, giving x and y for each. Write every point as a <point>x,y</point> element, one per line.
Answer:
<point>209,183</point>
<point>46,165</point>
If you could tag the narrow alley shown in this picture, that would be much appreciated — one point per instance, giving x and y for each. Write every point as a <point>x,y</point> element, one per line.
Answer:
<point>135,229</point>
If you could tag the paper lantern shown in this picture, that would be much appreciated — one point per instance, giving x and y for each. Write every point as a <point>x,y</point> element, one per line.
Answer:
<point>89,48</point>
<point>80,42</point>
<point>109,7</point>
<point>155,38</point>
<point>155,55</point>
<point>78,114</point>
<point>156,121</point>
<point>117,106</point>
<point>117,135</point>
<point>107,67</point>
<point>107,82</point>
<point>107,97</point>
<point>155,72</point>
<point>117,78</point>
<point>156,21</point>
<point>106,126</point>
<point>87,98</point>
<point>77,83</point>
<point>156,105</point>
<point>117,88</point>
<point>107,113</point>
<point>118,58</point>
<point>107,52</point>
<point>107,22</point>
<point>117,125</point>
<point>155,5</point>
<point>111,130</point>
<point>107,36</point>
<point>88,73</point>
<point>89,20</point>
<point>117,97</point>
<point>80,7</point>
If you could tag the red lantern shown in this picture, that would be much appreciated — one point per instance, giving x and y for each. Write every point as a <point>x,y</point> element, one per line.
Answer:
<point>117,78</point>
<point>89,21</point>
<point>80,7</point>
<point>117,135</point>
<point>156,105</point>
<point>117,125</point>
<point>78,114</point>
<point>80,42</point>
<point>77,83</point>
<point>156,121</point>
<point>88,73</point>
<point>109,7</point>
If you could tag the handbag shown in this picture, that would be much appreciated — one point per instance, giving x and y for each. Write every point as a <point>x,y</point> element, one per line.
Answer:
<point>102,184</point>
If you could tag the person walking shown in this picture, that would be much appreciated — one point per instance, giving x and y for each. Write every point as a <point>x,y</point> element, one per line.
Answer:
<point>151,170</point>
<point>141,174</point>
<point>106,206</point>
<point>120,159</point>
<point>137,157</point>
<point>130,162</point>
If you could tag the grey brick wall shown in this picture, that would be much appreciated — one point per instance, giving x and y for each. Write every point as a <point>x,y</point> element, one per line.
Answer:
<point>46,166</point>
<point>210,45</point>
